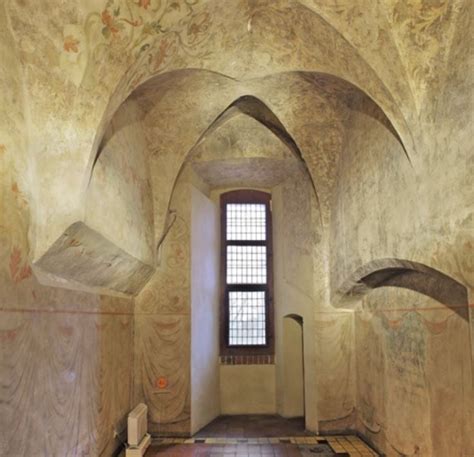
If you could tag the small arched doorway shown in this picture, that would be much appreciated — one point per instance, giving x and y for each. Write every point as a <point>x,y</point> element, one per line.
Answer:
<point>293,404</point>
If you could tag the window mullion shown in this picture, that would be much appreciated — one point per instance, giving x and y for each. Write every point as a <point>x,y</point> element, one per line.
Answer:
<point>248,315</point>
<point>246,243</point>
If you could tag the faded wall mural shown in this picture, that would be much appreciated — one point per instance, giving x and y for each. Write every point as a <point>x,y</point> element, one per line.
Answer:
<point>162,325</point>
<point>101,104</point>
<point>409,366</point>
<point>65,356</point>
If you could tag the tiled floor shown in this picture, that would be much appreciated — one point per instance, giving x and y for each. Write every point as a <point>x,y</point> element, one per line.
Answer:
<point>248,436</point>
<point>253,426</point>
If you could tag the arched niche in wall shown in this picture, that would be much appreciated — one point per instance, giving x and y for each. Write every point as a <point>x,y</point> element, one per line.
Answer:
<point>293,401</point>
<point>405,274</point>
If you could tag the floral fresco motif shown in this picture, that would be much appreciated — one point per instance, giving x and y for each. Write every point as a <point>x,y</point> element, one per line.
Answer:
<point>68,67</point>
<point>133,26</point>
<point>71,44</point>
<point>425,29</point>
<point>14,210</point>
<point>19,270</point>
<point>50,361</point>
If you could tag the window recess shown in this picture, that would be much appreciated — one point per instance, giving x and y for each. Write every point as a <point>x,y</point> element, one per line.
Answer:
<point>246,274</point>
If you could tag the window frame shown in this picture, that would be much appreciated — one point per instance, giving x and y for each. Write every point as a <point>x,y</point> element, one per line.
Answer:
<point>246,196</point>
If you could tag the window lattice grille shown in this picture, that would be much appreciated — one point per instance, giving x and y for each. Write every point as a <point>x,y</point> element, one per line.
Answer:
<point>246,222</point>
<point>246,264</point>
<point>247,318</point>
<point>246,270</point>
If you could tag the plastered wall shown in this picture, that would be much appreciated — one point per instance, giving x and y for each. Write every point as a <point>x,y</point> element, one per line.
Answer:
<point>163,326</point>
<point>247,389</point>
<point>294,240</point>
<point>411,356</point>
<point>65,357</point>
<point>376,99</point>
<point>292,403</point>
<point>120,197</point>
<point>176,317</point>
<point>409,365</point>
<point>205,309</point>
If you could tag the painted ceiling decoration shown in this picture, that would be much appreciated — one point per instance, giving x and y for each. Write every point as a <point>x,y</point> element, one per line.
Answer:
<point>164,71</point>
<point>122,120</point>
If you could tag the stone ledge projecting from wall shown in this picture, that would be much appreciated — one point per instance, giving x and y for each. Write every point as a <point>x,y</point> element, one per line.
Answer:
<point>83,259</point>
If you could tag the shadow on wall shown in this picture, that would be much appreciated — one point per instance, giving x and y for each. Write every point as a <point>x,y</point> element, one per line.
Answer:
<point>293,401</point>
<point>127,194</point>
<point>406,274</point>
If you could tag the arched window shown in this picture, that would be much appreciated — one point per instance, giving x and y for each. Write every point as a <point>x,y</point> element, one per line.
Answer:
<point>246,273</point>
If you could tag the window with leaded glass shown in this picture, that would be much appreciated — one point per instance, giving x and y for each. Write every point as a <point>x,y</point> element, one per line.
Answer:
<point>247,311</point>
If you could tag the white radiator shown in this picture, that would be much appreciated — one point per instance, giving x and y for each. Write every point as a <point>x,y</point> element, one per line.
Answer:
<point>138,438</point>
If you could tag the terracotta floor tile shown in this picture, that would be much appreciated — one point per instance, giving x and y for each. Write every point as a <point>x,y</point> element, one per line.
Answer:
<point>257,436</point>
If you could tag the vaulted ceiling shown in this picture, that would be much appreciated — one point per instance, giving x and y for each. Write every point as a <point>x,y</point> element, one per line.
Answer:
<point>274,83</point>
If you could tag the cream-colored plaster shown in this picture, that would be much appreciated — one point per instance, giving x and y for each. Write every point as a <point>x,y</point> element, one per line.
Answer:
<point>86,66</point>
<point>65,357</point>
<point>205,309</point>
<point>163,325</point>
<point>295,239</point>
<point>292,403</point>
<point>247,389</point>
<point>120,196</point>
<point>407,343</point>
<point>377,98</point>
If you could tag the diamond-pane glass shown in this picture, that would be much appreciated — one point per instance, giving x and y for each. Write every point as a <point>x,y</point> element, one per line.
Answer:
<point>247,318</point>
<point>246,222</point>
<point>246,264</point>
